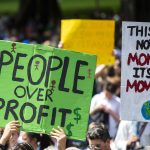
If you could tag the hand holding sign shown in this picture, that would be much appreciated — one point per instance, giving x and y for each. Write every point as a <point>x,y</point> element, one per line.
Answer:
<point>59,137</point>
<point>10,129</point>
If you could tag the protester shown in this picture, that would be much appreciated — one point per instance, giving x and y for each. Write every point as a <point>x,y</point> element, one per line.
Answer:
<point>56,140</point>
<point>59,137</point>
<point>132,135</point>
<point>105,107</point>
<point>38,141</point>
<point>32,139</point>
<point>126,135</point>
<point>9,139</point>
<point>98,137</point>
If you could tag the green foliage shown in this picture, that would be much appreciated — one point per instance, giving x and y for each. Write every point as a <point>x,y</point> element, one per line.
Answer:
<point>69,7</point>
<point>8,6</point>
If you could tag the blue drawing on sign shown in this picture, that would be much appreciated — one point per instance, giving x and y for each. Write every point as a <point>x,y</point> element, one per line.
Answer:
<point>146,110</point>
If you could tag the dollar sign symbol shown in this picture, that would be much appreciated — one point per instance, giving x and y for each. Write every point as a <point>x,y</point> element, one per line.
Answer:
<point>78,116</point>
<point>69,129</point>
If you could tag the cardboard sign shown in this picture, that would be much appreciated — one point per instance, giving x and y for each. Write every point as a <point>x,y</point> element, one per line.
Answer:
<point>135,80</point>
<point>45,87</point>
<point>90,36</point>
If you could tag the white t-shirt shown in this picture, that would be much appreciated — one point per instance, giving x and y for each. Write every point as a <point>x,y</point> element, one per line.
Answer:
<point>125,131</point>
<point>113,104</point>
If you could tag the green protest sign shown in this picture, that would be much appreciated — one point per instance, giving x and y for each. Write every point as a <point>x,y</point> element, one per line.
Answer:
<point>45,87</point>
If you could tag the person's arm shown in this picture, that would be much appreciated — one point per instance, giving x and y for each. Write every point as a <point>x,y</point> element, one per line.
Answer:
<point>10,128</point>
<point>132,140</point>
<point>125,135</point>
<point>106,110</point>
<point>112,113</point>
<point>97,109</point>
<point>122,135</point>
<point>60,138</point>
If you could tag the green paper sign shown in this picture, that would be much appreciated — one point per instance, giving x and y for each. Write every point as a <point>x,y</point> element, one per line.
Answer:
<point>44,87</point>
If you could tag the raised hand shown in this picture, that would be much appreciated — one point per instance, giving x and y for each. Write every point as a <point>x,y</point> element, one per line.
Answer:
<point>59,137</point>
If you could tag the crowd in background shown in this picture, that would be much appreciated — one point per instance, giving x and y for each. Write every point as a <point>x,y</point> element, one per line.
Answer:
<point>105,103</point>
<point>106,130</point>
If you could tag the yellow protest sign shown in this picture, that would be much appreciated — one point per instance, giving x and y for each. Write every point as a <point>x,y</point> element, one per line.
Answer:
<point>90,36</point>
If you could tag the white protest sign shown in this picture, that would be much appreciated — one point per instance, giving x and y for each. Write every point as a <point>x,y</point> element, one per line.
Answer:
<point>135,77</point>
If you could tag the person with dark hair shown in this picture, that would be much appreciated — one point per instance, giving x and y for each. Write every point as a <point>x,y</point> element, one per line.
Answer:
<point>32,139</point>
<point>23,146</point>
<point>56,140</point>
<point>105,107</point>
<point>38,141</point>
<point>98,137</point>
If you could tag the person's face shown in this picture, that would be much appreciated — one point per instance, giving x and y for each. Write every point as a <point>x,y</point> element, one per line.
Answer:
<point>25,137</point>
<point>98,144</point>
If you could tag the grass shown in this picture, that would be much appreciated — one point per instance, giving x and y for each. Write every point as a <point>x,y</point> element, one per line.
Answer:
<point>69,8</point>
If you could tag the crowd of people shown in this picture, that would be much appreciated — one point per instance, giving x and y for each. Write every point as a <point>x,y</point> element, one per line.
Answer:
<point>11,139</point>
<point>105,107</point>
<point>106,130</point>
<point>29,33</point>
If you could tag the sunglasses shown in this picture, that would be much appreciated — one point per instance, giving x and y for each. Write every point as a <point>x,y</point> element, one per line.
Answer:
<point>95,147</point>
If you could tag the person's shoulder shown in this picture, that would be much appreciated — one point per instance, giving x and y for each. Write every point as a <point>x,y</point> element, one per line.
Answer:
<point>97,96</point>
